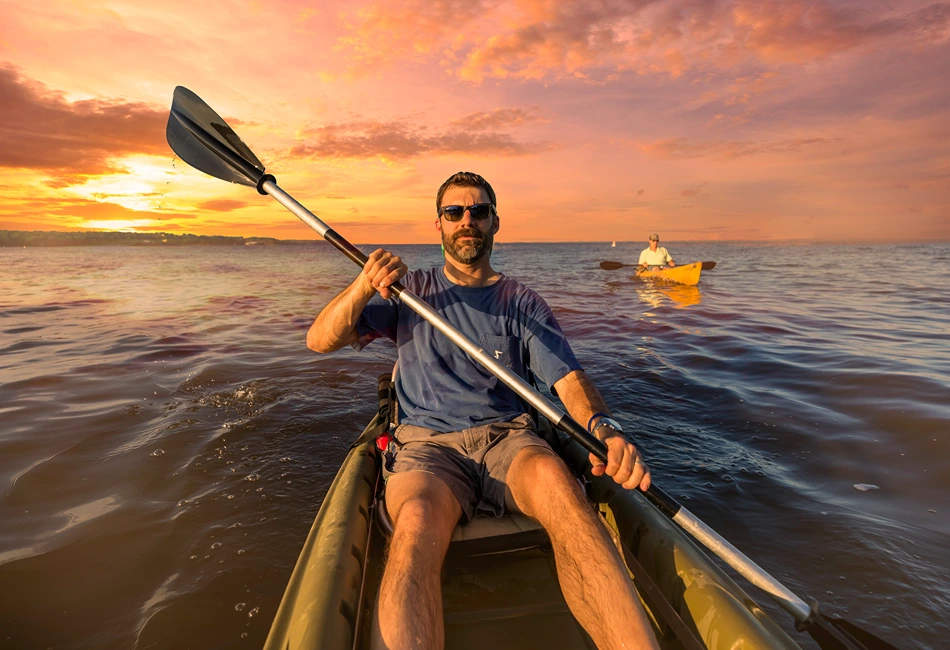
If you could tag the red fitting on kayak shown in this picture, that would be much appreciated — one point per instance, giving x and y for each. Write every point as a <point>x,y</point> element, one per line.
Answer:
<point>382,442</point>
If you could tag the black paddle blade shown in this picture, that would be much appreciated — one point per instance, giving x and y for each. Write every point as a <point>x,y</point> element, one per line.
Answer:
<point>205,141</point>
<point>708,266</point>
<point>611,266</point>
<point>833,633</point>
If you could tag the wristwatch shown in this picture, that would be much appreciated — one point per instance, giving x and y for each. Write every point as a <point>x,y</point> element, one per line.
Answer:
<point>610,423</point>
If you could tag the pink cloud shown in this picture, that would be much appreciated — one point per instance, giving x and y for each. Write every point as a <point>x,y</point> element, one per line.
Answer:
<point>413,29</point>
<point>402,140</point>
<point>498,118</point>
<point>694,191</point>
<point>41,130</point>
<point>797,32</point>
<point>726,150</point>
<point>222,205</point>
<point>538,39</point>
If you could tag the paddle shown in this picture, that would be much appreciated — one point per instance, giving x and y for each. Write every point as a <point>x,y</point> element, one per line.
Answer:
<point>202,139</point>
<point>613,266</point>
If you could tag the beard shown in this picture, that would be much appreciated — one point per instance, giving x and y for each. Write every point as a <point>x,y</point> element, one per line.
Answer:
<point>468,252</point>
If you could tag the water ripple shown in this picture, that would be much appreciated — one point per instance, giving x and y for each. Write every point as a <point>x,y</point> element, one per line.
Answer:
<point>143,389</point>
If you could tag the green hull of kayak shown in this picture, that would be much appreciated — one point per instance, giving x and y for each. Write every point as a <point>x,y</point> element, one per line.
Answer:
<point>500,586</point>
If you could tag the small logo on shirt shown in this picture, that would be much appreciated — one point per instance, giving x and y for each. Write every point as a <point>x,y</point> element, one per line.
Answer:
<point>498,354</point>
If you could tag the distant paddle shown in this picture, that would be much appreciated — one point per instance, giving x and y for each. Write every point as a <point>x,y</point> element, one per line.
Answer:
<point>204,140</point>
<point>613,266</point>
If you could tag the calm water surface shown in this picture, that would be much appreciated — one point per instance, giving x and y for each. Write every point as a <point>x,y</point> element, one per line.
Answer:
<point>166,438</point>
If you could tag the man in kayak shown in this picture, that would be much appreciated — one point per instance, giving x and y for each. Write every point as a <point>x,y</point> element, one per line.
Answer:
<point>465,444</point>
<point>655,257</point>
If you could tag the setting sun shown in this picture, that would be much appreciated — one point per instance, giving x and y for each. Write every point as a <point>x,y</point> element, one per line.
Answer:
<point>139,184</point>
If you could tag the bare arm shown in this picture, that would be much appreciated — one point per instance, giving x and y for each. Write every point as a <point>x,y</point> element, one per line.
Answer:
<point>580,396</point>
<point>336,324</point>
<point>583,400</point>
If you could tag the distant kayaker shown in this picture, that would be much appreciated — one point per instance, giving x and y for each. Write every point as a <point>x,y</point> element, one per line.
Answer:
<point>655,257</point>
<point>465,444</point>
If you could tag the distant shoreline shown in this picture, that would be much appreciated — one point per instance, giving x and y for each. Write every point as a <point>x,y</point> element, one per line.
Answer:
<point>34,238</point>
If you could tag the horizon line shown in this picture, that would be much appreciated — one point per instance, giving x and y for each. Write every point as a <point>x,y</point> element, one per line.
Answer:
<point>503,242</point>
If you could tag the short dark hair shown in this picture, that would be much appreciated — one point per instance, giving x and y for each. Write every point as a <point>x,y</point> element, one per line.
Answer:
<point>465,179</point>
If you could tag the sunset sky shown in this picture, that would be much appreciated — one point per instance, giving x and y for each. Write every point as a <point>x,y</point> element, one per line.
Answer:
<point>593,120</point>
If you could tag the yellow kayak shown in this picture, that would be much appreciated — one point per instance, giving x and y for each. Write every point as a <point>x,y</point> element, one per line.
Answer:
<point>685,274</point>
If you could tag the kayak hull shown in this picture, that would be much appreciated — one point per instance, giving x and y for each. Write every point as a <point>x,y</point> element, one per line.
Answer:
<point>685,274</point>
<point>502,591</point>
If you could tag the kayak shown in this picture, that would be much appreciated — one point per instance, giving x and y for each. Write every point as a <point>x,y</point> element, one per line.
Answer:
<point>685,274</point>
<point>500,587</point>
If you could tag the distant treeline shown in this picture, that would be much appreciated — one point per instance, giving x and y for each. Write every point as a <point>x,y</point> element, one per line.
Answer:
<point>20,238</point>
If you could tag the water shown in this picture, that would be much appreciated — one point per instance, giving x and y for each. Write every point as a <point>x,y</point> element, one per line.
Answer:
<point>166,438</point>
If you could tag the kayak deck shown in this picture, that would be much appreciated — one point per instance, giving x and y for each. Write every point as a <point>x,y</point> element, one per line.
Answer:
<point>685,274</point>
<point>507,600</point>
<point>500,586</point>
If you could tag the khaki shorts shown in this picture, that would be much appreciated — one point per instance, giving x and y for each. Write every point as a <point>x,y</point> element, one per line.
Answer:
<point>474,462</point>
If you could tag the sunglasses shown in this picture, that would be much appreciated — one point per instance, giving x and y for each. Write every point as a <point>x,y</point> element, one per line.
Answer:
<point>478,211</point>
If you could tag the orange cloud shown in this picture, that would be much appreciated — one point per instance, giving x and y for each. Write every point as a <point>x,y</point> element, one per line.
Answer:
<point>568,39</point>
<point>90,210</point>
<point>498,118</point>
<point>726,150</point>
<point>40,130</point>
<point>406,30</point>
<point>797,32</point>
<point>539,39</point>
<point>400,140</point>
<point>222,205</point>
<point>694,191</point>
<point>73,213</point>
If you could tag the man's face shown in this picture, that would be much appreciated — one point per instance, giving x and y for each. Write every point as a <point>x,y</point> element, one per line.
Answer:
<point>653,244</point>
<point>467,240</point>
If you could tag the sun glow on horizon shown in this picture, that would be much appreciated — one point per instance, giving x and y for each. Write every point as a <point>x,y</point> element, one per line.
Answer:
<point>119,225</point>
<point>140,185</point>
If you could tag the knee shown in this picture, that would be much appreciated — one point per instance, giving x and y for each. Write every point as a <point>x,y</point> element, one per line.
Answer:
<point>423,517</point>
<point>414,515</point>
<point>548,469</point>
<point>546,484</point>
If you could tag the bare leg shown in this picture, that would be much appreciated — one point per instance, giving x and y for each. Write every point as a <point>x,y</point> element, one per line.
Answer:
<point>594,580</point>
<point>409,608</point>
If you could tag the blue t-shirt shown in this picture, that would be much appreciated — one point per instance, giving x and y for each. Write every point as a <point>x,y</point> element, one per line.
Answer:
<point>441,387</point>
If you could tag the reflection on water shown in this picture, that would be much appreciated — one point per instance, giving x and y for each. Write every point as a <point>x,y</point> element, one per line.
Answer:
<point>683,295</point>
<point>654,293</point>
